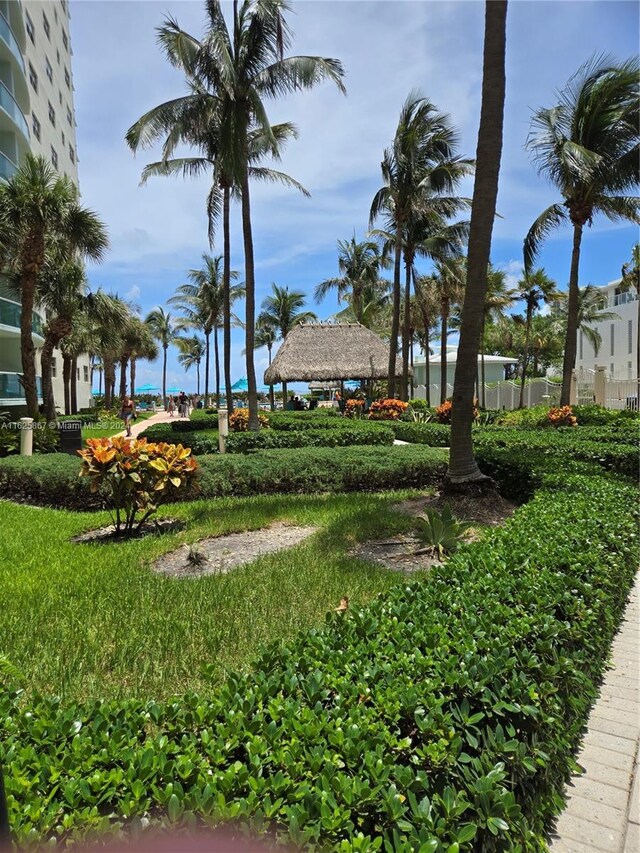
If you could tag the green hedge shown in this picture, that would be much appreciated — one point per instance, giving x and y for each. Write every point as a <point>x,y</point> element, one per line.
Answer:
<point>53,480</point>
<point>432,434</point>
<point>443,717</point>
<point>202,441</point>
<point>362,433</point>
<point>317,419</point>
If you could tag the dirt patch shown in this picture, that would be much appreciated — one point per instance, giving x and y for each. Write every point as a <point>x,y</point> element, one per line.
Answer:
<point>489,509</point>
<point>398,553</point>
<point>107,534</point>
<point>217,555</point>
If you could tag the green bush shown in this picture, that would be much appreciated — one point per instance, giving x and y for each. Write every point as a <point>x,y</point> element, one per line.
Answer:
<point>351,434</point>
<point>48,480</point>
<point>442,717</point>
<point>201,441</point>
<point>432,434</point>
<point>316,419</point>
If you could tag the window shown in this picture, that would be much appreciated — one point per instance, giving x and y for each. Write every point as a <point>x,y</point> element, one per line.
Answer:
<point>53,368</point>
<point>35,124</point>
<point>33,78</point>
<point>581,345</point>
<point>49,69</point>
<point>60,97</point>
<point>30,28</point>
<point>69,117</point>
<point>63,138</point>
<point>72,153</point>
<point>85,373</point>
<point>78,373</point>
<point>55,15</point>
<point>58,57</point>
<point>52,115</point>
<point>613,338</point>
<point>611,370</point>
<point>629,336</point>
<point>45,24</point>
<point>54,157</point>
<point>67,78</point>
<point>65,42</point>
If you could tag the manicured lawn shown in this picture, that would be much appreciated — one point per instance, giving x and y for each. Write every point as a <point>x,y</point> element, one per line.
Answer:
<point>92,432</point>
<point>86,620</point>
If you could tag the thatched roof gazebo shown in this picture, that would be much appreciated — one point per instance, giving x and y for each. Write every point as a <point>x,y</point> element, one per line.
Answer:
<point>330,351</point>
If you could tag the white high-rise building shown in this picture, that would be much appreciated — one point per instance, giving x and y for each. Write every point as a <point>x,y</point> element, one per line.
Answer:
<point>36,114</point>
<point>619,347</point>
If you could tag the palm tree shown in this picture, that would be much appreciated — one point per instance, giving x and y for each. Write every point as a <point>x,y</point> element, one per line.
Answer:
<point>266,336</point>
<point>241,70</point>
<point>591,305</point>
<point>137,342</point>
<point>202,303</point>
<point>359,265</point>
<point>534,289</point>
<point>418,170</point>
<point>449,282</point>
<point>282,310</point>
<point>163,329</point>
<point>631,279</point>
<point>192,351</point>
<point>497,300</point>
<point>587,146</point>
<point>463,467</point>
<point>40,209</point>
<point>427,304</point>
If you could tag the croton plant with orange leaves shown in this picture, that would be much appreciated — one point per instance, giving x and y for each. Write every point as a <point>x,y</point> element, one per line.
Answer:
<point>136,476</point>
<point>387,410</point>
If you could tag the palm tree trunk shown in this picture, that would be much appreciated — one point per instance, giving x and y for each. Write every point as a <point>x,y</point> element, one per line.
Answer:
<point>132,376</point>
<point>462,464</point>
<point>444,333</point>
<point>207,342</point>
<point>406,326</point>
<point>411,389</point>
<point>571,340</point>
<point>66,376</point>
<point>482,374</point>
<point>284,396</point>
<point>27,348</point>
<point>427,324</point>
<point>100,382</point>
<point>216,355</point>
<point>50,343</point>
<point>165,347</point>
<point>395,316</point>
<point>198,378</point>
<point>123,375</point>
<point>250,298</point>
<point>272,400</point>
<point>226,299</point>
<point>74,385</point>
<point>525,355</point>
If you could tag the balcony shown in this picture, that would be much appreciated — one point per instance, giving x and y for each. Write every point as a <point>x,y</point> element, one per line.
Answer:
<point>7,168</point>
<point>10,313</point>
<point>7,36</point>
<point>10,106</point>
<point>11,390</point>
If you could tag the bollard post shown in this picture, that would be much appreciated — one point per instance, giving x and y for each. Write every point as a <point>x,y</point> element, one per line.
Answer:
<point>223,428</point>
<point>26,437</point>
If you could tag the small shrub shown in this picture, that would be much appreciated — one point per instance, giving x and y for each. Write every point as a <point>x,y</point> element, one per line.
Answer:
<point>351,433</point>
<point>387,410</point>
<point>443,412</point>
<point>354,408</point>
<point>559,417</point>
<point>239,420</point>
<point>441,531</point>
<point>135,476</point>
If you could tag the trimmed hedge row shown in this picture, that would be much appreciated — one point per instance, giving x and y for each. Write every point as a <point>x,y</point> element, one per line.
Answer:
<point>443,717</point>
<point>431,434</point>
<point>201,441</point>
<point>347,435</point>
<point>53,480</point>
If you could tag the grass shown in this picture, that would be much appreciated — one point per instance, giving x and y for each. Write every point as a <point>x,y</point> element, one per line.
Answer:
<point>107,432</point>
<point>86,620</point>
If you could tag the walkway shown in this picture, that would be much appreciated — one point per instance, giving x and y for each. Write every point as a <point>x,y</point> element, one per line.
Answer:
<point>603,810</point>
<point>159,418</point>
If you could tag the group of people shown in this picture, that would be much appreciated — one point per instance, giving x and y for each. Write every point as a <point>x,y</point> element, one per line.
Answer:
<point>182,403</point>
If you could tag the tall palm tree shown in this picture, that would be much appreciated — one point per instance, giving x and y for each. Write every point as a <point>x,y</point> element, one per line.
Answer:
<point>137,342</point>
<point>282,310</point>
<point>420,170</point>
<point>101,335</point>
<point>192,351</point>
<point>631,280</point>
<point>40,209</point>
<point>427,304</point>
<point>163,328</point>
<point>359,265</point>
<point>498,298</point>
<point>591,310</point>
<point>241,70</point>
<point>202,304</point>
<point>587,147</point>
<point>463,467</point>
<point>534,289</point>
<point>266,336</point>
<point>449,280</point>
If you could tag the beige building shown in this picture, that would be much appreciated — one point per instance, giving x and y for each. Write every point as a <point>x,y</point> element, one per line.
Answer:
<point>36,114</point>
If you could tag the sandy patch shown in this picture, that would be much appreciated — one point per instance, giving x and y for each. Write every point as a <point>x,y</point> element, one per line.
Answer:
<point>104,535</point>
<point>218,554</point>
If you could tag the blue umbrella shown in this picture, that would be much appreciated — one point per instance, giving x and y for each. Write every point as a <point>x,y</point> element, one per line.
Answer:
<point>173,390</point>
<point>147,388</point>
<point>240,385</point>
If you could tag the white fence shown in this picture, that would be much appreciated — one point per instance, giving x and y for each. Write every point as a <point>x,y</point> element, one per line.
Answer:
<point>589,386</point>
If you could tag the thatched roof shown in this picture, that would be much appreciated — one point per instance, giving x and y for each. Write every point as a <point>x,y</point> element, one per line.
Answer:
<point>327,351</point>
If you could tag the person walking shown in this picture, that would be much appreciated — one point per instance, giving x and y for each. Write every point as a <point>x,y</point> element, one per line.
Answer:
<point>171,407</point>
<point>128,413</point>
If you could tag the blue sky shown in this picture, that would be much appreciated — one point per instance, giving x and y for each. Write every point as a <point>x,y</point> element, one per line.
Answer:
<point>388,48</point>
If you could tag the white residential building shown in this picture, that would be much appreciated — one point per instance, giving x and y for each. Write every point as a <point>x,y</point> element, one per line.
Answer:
<point>37,115</point>
<point>619,347</point>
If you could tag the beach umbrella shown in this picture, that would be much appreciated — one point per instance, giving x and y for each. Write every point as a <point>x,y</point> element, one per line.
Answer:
<point>146,388</point>
<point>174,390</point>
<point>241,385</point>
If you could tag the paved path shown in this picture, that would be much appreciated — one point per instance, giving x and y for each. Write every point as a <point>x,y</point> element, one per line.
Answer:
<point>603,810</point>
<point>159,418</point>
